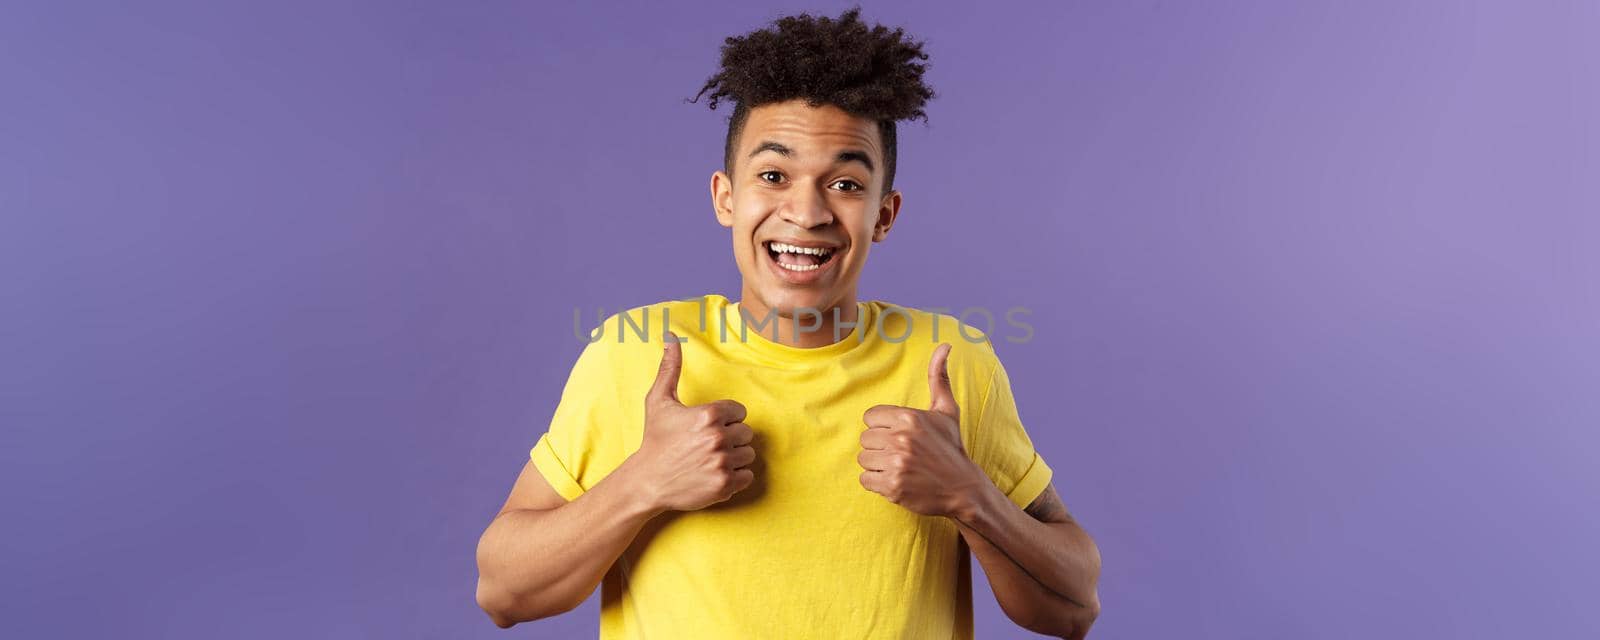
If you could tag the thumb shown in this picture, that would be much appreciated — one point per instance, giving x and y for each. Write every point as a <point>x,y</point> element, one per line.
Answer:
<point>666,386</point>
<point>942,399</point>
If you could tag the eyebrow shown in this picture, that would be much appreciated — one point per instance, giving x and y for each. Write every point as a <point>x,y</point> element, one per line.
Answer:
<point>850,155</point>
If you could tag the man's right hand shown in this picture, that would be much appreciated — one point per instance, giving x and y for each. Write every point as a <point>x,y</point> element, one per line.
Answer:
<point>691,457</point>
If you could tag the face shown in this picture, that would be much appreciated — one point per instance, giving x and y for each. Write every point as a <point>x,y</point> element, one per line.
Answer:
<point>805,202</point>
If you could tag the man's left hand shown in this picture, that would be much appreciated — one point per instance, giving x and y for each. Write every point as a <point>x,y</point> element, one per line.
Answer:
<point>914,457</point>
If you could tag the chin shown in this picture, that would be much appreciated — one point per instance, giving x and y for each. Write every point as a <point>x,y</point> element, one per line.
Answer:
<point>788,303</point>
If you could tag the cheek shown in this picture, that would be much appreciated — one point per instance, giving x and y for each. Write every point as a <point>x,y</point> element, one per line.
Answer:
<point>748,214</point>
<point>860,230</point>
<point>745,224</point>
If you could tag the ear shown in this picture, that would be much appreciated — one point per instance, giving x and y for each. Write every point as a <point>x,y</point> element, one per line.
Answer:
<point>722,198</point>
<point>888,210</point>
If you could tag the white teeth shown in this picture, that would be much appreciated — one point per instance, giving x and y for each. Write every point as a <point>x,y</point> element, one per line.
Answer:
<point>796,267</point>
<point>789,248</point>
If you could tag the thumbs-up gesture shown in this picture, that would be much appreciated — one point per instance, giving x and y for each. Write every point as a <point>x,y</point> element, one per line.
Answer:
<point>914,457</point>
<point>690,457</point>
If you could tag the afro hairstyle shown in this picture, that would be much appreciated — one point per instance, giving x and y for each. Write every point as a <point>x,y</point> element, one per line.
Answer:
<point>870,72</point>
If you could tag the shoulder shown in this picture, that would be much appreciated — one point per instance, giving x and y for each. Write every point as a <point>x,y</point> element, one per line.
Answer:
<point>902,323</point>
<point>622,350</point>
<point>647,323</point>
<point>639,331</point>
<point>920,331</point>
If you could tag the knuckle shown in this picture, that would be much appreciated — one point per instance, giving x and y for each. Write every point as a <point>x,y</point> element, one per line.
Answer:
<point>727,410</point>
<point>705,415</point>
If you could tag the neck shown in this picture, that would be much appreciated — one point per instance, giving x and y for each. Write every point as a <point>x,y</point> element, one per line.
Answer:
<point>800,328</point>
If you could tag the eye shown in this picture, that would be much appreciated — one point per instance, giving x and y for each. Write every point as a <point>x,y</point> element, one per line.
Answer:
<point>849,185</point>
<point>770,176</point>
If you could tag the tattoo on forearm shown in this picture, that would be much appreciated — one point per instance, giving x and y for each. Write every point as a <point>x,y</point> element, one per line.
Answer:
<point>1048,508</point>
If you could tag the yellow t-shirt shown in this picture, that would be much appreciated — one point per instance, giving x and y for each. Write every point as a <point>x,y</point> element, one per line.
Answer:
<point>805,551</point>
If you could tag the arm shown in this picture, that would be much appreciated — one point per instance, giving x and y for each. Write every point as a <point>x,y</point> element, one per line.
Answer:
<point>1042,566</point>
<point>543,555</point>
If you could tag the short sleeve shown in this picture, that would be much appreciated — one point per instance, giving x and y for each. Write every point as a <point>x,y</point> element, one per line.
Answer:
<point>572,453</point>
<point>1001,446</point>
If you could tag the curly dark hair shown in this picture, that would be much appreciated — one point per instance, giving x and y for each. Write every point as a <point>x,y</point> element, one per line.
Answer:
<point>868,71</point>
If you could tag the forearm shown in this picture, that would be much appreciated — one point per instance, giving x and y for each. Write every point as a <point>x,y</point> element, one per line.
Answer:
<point>1044,574</point>
<point>534,564</point>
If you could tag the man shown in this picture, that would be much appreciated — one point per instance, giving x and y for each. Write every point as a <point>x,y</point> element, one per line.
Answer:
<point>796,464</point>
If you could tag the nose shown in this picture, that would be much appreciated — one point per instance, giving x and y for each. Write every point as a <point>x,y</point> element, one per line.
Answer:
<point>807,209</point>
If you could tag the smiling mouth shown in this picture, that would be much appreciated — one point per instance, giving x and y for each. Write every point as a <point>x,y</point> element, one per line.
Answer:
<point>799,259</point>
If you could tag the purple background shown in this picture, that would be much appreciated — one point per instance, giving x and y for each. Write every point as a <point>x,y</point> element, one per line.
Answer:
<point>288,294</point>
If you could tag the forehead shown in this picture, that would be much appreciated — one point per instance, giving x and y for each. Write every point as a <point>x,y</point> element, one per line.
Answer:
<point>819,130</point>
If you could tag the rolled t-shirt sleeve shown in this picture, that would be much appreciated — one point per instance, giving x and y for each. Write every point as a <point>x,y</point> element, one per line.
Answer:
<point>1001,446</point>
<point>570,454</point>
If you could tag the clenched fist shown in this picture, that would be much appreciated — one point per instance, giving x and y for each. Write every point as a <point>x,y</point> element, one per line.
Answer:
<point>691,457</point>
<point>914,457</point>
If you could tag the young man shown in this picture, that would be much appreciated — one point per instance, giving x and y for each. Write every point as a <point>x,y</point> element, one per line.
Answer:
<point>797,464</point>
